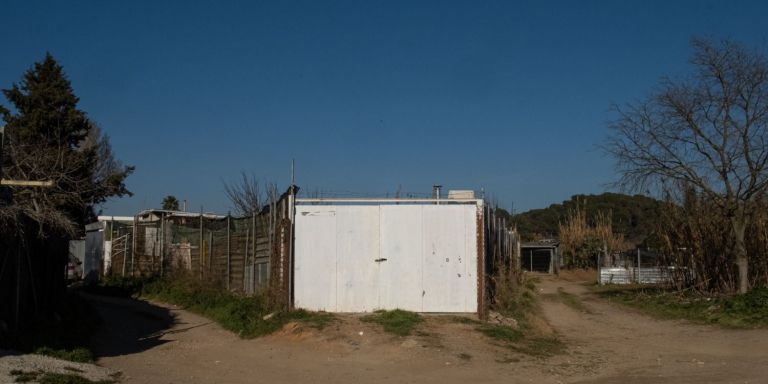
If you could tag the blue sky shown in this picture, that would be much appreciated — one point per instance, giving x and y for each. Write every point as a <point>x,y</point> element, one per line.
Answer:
<point>507,96</point>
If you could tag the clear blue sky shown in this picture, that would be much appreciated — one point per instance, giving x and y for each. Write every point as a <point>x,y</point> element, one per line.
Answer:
<point>511,97</point>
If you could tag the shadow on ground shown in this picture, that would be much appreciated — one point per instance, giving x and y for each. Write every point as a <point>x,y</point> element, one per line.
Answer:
<point>128,325</point>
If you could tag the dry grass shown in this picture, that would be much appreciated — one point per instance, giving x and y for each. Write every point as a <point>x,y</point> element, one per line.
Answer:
<point>696,237</point>
<point>581,242</point>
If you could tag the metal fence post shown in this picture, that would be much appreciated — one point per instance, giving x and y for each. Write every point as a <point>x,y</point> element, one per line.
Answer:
<point>530,255</point>
<point>599,266</point>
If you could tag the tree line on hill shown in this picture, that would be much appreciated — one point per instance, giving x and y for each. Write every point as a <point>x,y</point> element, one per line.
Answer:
<point>634,216</point>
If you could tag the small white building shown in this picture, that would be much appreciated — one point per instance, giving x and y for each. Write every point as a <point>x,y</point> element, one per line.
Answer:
<point>362,255</point>
<point>99,236</point>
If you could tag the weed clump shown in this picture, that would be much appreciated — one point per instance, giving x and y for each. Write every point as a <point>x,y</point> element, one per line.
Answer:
<point>248,316</point>
<point>398,321</point>
<point>78,355</point>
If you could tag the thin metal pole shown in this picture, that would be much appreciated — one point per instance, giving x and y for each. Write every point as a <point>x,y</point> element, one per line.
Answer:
<point>125,253</point>
<point>551,260</point>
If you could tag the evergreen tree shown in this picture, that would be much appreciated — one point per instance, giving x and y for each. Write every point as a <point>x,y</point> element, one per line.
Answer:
<point>49,138</point>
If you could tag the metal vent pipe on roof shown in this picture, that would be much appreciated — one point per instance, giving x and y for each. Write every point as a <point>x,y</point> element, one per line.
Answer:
<point>436,191</point>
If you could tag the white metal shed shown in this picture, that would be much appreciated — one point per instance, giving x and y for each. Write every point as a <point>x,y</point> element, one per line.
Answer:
<point>361,255</point>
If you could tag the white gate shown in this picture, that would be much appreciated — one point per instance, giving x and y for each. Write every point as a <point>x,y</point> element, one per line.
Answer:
<point>360,258</point>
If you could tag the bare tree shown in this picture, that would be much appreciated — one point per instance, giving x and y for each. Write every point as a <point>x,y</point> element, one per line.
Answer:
<point>246,196</point>
<point>707,132</point>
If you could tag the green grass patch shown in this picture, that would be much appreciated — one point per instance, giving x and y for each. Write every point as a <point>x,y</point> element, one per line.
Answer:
<point>571,300</point>
<point>398,322</point>
<point>243,315</point>
<point>540,346</point>
<point>736,311</point>
<point>317,320</point>
<point>79,355</point>
<point>519,341</point>
<point>501,333</point>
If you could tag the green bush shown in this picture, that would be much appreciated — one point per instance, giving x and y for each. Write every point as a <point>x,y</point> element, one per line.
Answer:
<point>79,355</point>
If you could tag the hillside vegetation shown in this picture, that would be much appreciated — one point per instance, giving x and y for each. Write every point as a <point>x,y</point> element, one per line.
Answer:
<point>632,216</point>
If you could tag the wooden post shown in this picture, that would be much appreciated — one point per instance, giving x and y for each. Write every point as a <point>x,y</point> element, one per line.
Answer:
<point>133,248</point>
<point>245,255</point>
<point>201,245</point>
<point>210,252</point>
<point>599,266</point>
<point>229,250</point>
<point>125,251</point>
<point>253,254</point>
<point>162,243</point>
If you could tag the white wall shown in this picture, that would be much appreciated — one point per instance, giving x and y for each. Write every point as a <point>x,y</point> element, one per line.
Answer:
<point>430,252</point>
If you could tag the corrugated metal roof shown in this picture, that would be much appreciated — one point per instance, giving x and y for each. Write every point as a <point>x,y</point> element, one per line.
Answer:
<point>170,213</point>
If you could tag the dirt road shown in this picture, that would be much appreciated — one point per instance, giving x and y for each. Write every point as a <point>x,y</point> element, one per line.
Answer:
<point>633,348</point>
<point>153,343</point>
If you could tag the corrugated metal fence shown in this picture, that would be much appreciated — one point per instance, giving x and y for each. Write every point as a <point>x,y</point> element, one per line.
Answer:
<point>636,267</point>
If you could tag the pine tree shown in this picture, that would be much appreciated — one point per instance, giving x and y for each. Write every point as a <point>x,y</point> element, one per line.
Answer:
<point>49,138</point>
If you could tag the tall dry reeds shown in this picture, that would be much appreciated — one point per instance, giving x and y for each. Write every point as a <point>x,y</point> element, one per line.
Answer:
<point>695,237</point>
<point>581,243</point>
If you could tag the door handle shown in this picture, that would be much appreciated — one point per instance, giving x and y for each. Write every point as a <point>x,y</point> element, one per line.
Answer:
<point>380,260</point>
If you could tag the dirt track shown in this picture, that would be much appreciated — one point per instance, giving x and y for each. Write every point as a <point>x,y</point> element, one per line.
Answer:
<point>609,344</point>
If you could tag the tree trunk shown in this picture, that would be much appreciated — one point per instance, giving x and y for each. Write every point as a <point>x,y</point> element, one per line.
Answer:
<point>739,225</point>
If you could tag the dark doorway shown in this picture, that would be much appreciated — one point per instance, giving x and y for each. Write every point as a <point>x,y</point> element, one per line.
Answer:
<point>536,259</point>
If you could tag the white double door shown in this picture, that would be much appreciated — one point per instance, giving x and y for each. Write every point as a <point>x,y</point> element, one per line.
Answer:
<point>366,257</point>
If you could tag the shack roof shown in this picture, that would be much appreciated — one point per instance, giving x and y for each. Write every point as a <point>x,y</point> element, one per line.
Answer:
<point>154,214</point>
<point>541,244</point>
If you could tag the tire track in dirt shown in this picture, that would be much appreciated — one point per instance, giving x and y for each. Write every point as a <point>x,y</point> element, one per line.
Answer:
<point>626,346</point>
